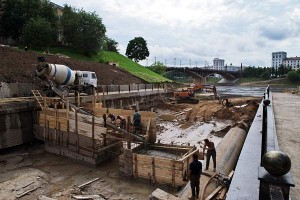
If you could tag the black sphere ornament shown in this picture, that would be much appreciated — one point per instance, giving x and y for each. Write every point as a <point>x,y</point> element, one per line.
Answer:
<point>267,102</point>
<point>276,163</point>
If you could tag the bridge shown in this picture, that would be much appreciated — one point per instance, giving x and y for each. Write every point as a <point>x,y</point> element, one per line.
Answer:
<point>199,74</point>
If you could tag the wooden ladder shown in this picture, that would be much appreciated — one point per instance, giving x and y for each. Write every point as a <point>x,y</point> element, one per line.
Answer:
<point>38,97</point>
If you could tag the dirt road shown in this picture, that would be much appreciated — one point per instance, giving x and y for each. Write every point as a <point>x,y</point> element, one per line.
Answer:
<point>287,115</point>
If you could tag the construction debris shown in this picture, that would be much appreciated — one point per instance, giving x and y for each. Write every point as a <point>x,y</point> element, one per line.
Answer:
<point>87,183</point>
<point>26,192</point>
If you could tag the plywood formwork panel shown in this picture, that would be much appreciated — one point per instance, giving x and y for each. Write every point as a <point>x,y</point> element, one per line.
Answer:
<point>158,169</point>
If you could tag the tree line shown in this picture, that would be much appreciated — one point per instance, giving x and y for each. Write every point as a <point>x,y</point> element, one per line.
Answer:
<point>34,22</point>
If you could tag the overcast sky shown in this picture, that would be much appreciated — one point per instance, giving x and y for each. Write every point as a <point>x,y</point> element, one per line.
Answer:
<point>197,31</point>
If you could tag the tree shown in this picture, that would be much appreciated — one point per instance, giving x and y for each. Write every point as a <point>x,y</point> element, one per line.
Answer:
<point>39,32</point>
<point>137,49</point>
<point>265,75</point>
<point>69,23</point>
<point>83,30</point>
<point>158,68</point>
<point>281,71</point>
<point>110,45</point>
<point>15,14</point>
<point>11,19</point>
<point>293,76</point>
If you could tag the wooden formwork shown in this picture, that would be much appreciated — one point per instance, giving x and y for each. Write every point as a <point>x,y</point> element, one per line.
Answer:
<point>81,136</point>
<point>75,135</point>
<point>148,119</point>
<point>158,169</point>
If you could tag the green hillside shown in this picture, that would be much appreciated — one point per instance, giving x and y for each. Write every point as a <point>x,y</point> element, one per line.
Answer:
<point>132,67</point>
<point>107,56</point>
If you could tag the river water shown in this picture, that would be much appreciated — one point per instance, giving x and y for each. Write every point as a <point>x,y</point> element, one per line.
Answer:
<point>254,91</point>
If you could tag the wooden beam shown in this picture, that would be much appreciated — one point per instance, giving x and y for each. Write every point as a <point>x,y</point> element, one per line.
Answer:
<point>87,183</point>
<point>214,193</point>
<point>189,155</point>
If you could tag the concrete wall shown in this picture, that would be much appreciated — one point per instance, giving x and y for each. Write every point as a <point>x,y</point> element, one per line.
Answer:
<point>15,89</point>
<point>16,125</point>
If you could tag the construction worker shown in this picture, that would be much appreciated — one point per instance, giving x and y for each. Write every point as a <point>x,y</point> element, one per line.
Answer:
<point>136,121</point>
<point>211,152</point>
<point>122,122</point>
<point>112,117</point>
<point>195,170</point>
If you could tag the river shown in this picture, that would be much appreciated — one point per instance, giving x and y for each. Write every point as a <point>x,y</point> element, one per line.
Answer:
<point>255,91</point>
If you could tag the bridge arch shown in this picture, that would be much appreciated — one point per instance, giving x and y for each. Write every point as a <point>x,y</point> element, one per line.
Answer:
<point>200,74</point>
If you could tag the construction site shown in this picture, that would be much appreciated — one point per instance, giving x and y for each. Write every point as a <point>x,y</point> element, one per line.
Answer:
<point>132,141</point>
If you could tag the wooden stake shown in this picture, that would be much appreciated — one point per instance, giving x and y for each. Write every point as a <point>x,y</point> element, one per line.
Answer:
<point>45,118</point>
<point>128,130</point>
<point>93,133</point>
<point>68,123</point>
<point>76,129</point>
<point>55,129</point>
<point>153,170</point>
<point>173,173</point>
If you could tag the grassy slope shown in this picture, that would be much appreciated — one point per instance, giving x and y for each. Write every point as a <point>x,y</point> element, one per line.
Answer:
<point>132,67</point>
<point>283,82</point>
<point>106,56</point>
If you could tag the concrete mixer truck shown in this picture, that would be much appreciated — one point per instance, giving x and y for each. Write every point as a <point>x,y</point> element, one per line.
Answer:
<point>61,78</point>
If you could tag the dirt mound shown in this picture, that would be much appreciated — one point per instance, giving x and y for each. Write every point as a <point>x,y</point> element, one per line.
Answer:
<point>241,109</point>
<point>18,66</point>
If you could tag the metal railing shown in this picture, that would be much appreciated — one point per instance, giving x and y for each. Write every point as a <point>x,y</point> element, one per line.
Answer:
<point>275,182</point>
<point>130,88</point>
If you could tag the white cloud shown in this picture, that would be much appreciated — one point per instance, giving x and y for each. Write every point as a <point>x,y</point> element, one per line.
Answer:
<point>235,30</point>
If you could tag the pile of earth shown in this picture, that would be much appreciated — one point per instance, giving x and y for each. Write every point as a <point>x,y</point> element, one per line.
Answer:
<point>240,110</point>
<point>17,66</point>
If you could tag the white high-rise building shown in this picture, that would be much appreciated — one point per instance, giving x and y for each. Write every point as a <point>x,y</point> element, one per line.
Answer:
<point>277,58</point>
<point>218,63</point>
<point>293,62</point>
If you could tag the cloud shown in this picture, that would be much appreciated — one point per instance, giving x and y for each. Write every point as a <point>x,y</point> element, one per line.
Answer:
<point>235,30</point>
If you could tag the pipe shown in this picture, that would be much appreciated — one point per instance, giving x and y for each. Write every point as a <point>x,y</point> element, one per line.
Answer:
<point>228,151</point>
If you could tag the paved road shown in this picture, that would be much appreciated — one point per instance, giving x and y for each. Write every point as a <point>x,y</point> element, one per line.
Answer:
<point>287,120</point>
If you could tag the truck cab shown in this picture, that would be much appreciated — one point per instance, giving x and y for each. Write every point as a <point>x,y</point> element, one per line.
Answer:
<point>89,78</point>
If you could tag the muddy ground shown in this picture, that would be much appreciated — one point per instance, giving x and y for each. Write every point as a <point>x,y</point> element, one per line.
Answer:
<point>18,66</point>
<point>28,167</point>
